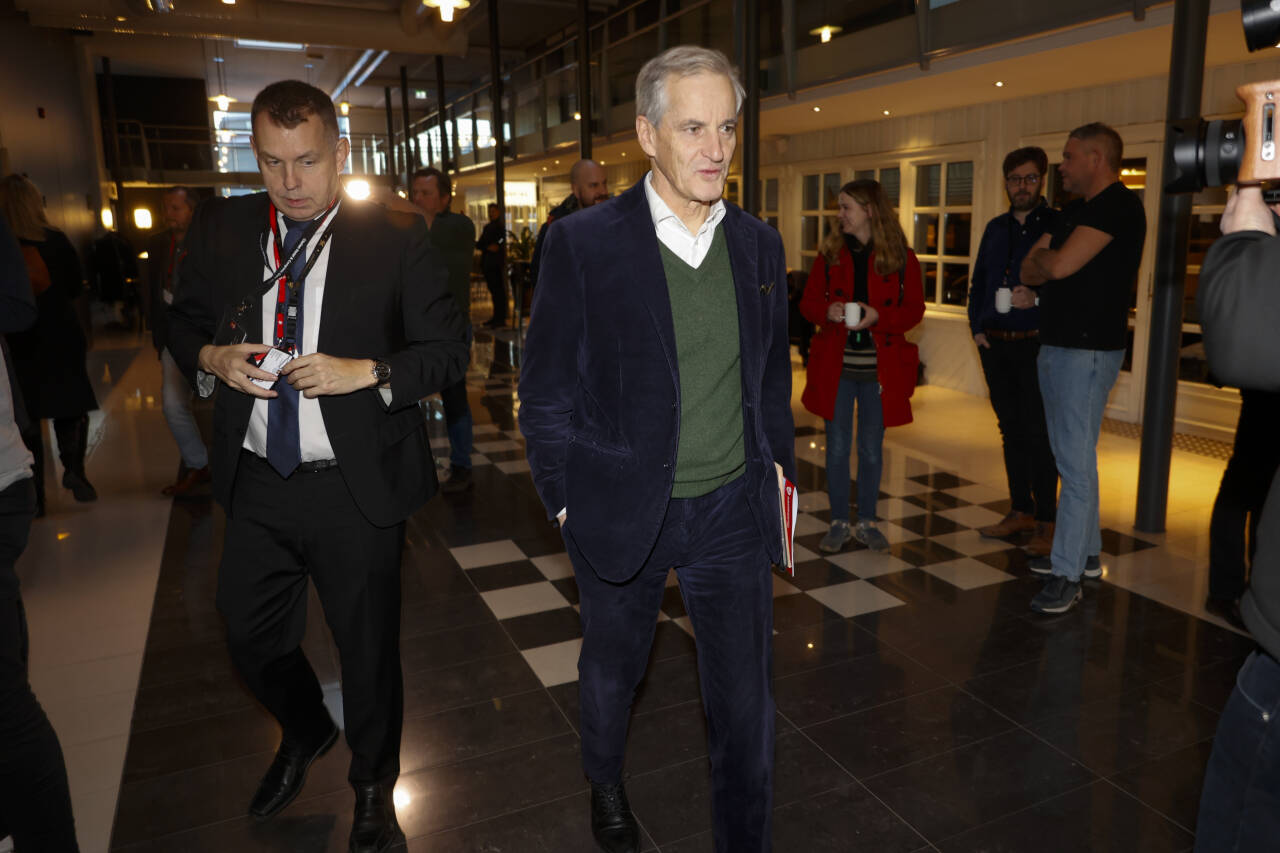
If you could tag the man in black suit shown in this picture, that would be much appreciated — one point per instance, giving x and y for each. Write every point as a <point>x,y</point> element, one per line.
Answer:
<point>318,474</point>
<point>655,400</point>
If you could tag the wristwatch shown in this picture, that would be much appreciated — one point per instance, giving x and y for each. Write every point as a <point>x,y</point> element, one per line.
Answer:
<point>381,372</point>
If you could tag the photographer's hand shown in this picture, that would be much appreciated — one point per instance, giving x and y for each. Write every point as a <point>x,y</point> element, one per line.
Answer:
<point>1246,211</point>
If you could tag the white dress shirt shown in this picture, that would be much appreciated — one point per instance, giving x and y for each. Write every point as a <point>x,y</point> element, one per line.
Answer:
<point>313,439</point>
<point>674,234</point>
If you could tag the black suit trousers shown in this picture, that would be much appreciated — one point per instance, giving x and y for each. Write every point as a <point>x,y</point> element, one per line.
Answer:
<point>1010,369</point>
<point>280,533</point>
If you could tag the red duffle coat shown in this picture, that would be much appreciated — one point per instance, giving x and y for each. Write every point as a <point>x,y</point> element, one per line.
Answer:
<point>899,299</point>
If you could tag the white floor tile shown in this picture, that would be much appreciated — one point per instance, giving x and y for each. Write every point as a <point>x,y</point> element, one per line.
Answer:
<point>554,566</point>
<point>513,466</point>
<point>523,600</point>
<point>497,446</point>
<point>555,664</point>
<point>513,433</point>
<point>854,597</point>
<point>479,459</point>
<point>96,765</point>
<point>869,564</point>
<point>802,554</point>
<point>814,501</point>
<point>971,516</point>
<point>487,554</point>
<point>485,429</point>
<point>807,524</point>
<point>901,488</point>
<point>896,533</point>
<point>672,578</point>
<point>971,543</point>
<point>978,493</point>
<point>967,573</point>
<point>895,508</point>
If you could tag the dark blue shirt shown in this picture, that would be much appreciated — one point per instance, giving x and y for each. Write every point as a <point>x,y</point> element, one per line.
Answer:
<point>1004,244</point>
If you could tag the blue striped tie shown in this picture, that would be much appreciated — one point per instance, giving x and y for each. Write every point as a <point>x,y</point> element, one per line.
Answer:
<point>284,449</point>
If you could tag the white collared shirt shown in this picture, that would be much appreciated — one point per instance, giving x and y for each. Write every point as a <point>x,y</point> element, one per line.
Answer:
<point>674,234</point>
<point>313,439</point>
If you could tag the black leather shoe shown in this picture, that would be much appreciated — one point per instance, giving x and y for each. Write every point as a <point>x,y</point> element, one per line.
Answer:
<point>612,823</point>
<point>284,778</point>
<point>374,828</point>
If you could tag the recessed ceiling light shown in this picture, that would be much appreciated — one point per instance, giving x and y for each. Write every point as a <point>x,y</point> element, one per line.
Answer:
<point>817,109</point>
<point>624,154</point>
<point>999,84</point>
<point>228,2</point>
<point>121,18</point>
<point>557,162</point>
<point>886,112</point>
<point>825,32</point>
<point>260,44</point>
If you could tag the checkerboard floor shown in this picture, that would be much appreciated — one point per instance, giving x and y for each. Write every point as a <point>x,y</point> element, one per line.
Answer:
<point>921,705</point>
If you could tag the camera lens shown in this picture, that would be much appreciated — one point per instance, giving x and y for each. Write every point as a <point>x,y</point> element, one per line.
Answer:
<point>1261,19</point>
<point>1206,154</point>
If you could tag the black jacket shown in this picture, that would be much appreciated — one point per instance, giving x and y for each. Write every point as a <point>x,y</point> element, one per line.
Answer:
<point>385,297</point>
<point>1239,309</point>
<point>560,211</point>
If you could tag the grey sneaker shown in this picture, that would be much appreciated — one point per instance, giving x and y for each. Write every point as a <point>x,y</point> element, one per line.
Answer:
<point>868,535</point>
<point>1058,595</point>
<point>836,538</point>
<point>1093,566</point>
<point>1044,566</point>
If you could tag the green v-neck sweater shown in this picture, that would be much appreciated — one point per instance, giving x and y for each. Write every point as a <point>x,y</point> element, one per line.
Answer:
<point>704,309</point>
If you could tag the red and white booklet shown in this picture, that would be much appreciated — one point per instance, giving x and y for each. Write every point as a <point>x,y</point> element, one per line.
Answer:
<point>789,506</point>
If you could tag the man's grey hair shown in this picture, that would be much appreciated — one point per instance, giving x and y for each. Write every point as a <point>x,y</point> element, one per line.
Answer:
<point>683,61</point>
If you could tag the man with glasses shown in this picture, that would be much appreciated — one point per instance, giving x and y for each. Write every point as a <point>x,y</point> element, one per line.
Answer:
<point>1008,342</point>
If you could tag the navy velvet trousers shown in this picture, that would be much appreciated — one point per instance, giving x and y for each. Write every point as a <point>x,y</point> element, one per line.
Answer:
<point>714,544</point>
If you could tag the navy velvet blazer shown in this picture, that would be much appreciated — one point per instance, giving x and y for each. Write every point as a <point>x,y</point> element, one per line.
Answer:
<point>600,384</point>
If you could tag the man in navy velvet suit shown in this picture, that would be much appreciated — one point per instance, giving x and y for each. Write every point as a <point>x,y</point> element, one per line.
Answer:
<point>655,400</point>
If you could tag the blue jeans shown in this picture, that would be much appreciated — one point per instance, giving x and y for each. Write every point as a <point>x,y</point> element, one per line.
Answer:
<point>1240,801</point>
<point>1075,384</point>
<point>175,399</point>
<point>457,418</point>
<point>870,441</point>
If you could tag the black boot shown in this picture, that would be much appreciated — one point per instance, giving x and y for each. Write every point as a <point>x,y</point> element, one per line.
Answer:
<point>612,823</point>
<point>73,443</point>
<point>375,828</point>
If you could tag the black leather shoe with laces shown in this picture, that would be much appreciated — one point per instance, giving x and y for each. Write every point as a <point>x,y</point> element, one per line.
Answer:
<point>375,828</point>
<point>284,778</point>
<point>612,823</point>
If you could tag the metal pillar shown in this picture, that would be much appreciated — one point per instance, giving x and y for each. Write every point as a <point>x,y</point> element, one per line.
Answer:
<point>1186,80</point>
<point>113,140</point>
<point>750,196</point>
<point>409,160</point>
<point>446,160</point>
<point>584,80</point>
<point>499,144</point>
<point>392,171</point>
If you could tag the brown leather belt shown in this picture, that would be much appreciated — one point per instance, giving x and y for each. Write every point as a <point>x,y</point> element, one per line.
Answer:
<point>998,335</point>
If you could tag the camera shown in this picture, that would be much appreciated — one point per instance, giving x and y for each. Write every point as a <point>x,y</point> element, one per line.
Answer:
<point>1229,151</point>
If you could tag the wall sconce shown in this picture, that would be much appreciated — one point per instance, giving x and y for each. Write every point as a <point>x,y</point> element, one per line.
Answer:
<point>142,218</point>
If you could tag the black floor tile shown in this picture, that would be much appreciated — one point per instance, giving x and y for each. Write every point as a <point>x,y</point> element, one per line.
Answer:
<point>845,820</point>
<point>444,615</point>
<point>1113,734</point>
<point>1116,543</point>
<point>209,740</point>
<point>668,736</point>
<point>669,641</point>
<point>421,654</point>
<point>503,575</point>
<point>455,795</point>
<point>834,691</point>
<point>1170,784</point>
<point>543,629</point>
<point>923,552</point>
<point>1210,685</point>
<point>930,524</point>
<point>821,644</point>
<point>1053,684</point>
<point>568,588</point>
<point>673,602</point>
<point>812,574</point>
<point>468,684</point>
<point>1097,817</point>
<point>1004,506</point>
<point>976,784</point>
<point>554,827</point>
<point>894,734</point>
<point>799,610</point>
<point>941,480</point>
<point>463,733</point>
<point>934,501</point>
<point>206,695</point>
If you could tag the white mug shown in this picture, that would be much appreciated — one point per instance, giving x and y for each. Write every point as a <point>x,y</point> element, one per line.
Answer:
<point>852,314</point>
<point>1004,300</point>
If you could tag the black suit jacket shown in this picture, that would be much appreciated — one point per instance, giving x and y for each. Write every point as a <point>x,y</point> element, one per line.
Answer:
<point>385,296</point>
<point>158,261</point>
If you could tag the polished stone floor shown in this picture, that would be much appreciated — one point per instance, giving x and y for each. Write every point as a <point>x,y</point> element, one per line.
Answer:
<point>921,705</point>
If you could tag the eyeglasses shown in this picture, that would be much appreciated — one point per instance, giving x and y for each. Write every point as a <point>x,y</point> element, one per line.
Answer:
<point>1024,180</point>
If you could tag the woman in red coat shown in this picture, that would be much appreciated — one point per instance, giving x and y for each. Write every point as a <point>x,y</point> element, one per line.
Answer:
<point>865,363</point>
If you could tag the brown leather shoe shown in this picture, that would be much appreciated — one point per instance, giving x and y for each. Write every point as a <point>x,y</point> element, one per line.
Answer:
<point>1014,522</point>
<point>1041,544</point>
<point>194,477</point>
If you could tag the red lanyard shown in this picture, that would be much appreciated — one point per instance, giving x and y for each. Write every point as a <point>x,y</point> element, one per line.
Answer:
<point>288,305</point>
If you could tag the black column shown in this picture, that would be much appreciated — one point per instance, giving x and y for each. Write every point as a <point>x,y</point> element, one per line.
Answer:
<point>584,80</point>
<point>113,142</point>
<point>750,196</point>
<point>500,145</point>
<point>391,140</point>
<point>409,164</point>
<point>446,150</point>
<point>1186,80</point>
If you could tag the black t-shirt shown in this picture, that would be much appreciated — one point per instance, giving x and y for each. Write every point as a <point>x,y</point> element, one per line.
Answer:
<point>1090,308</point>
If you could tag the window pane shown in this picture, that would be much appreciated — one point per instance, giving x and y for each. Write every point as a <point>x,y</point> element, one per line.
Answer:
<point>928,185</point>
<point>831,188</point>
<point>930,272</point>
<point>1204,229</point>
<point>731,191</point>
<point>1192,366</point>
<point>955,230</point>
<point>960,183</point>
<point>771,194</point>
<point>810,195</point>
<point>955,284</point>
<point>772,220</point>
<point>891,180</point>
<point>864,175</point>
<point>926,242</point>
<point>808,233</point>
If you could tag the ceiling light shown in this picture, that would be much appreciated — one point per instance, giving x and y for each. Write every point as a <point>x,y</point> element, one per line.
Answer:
<point>557,162</point>
<point>825,32</point>
<point>886,112</point>
<point>108,219</point>
<point>260,44</point>
<point>228,2</point>
<point>345,108</point>
<point>358,189</point>
<point>121,18</point>
<point>999,84</point>
<point>142,218</point>
<point>817,109</point>
<point>446,7</point>
<point>577,116</point>
<point>223,101</point>
<point>419,94</point>
<point>624,154</point>
<point>218,59</point>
